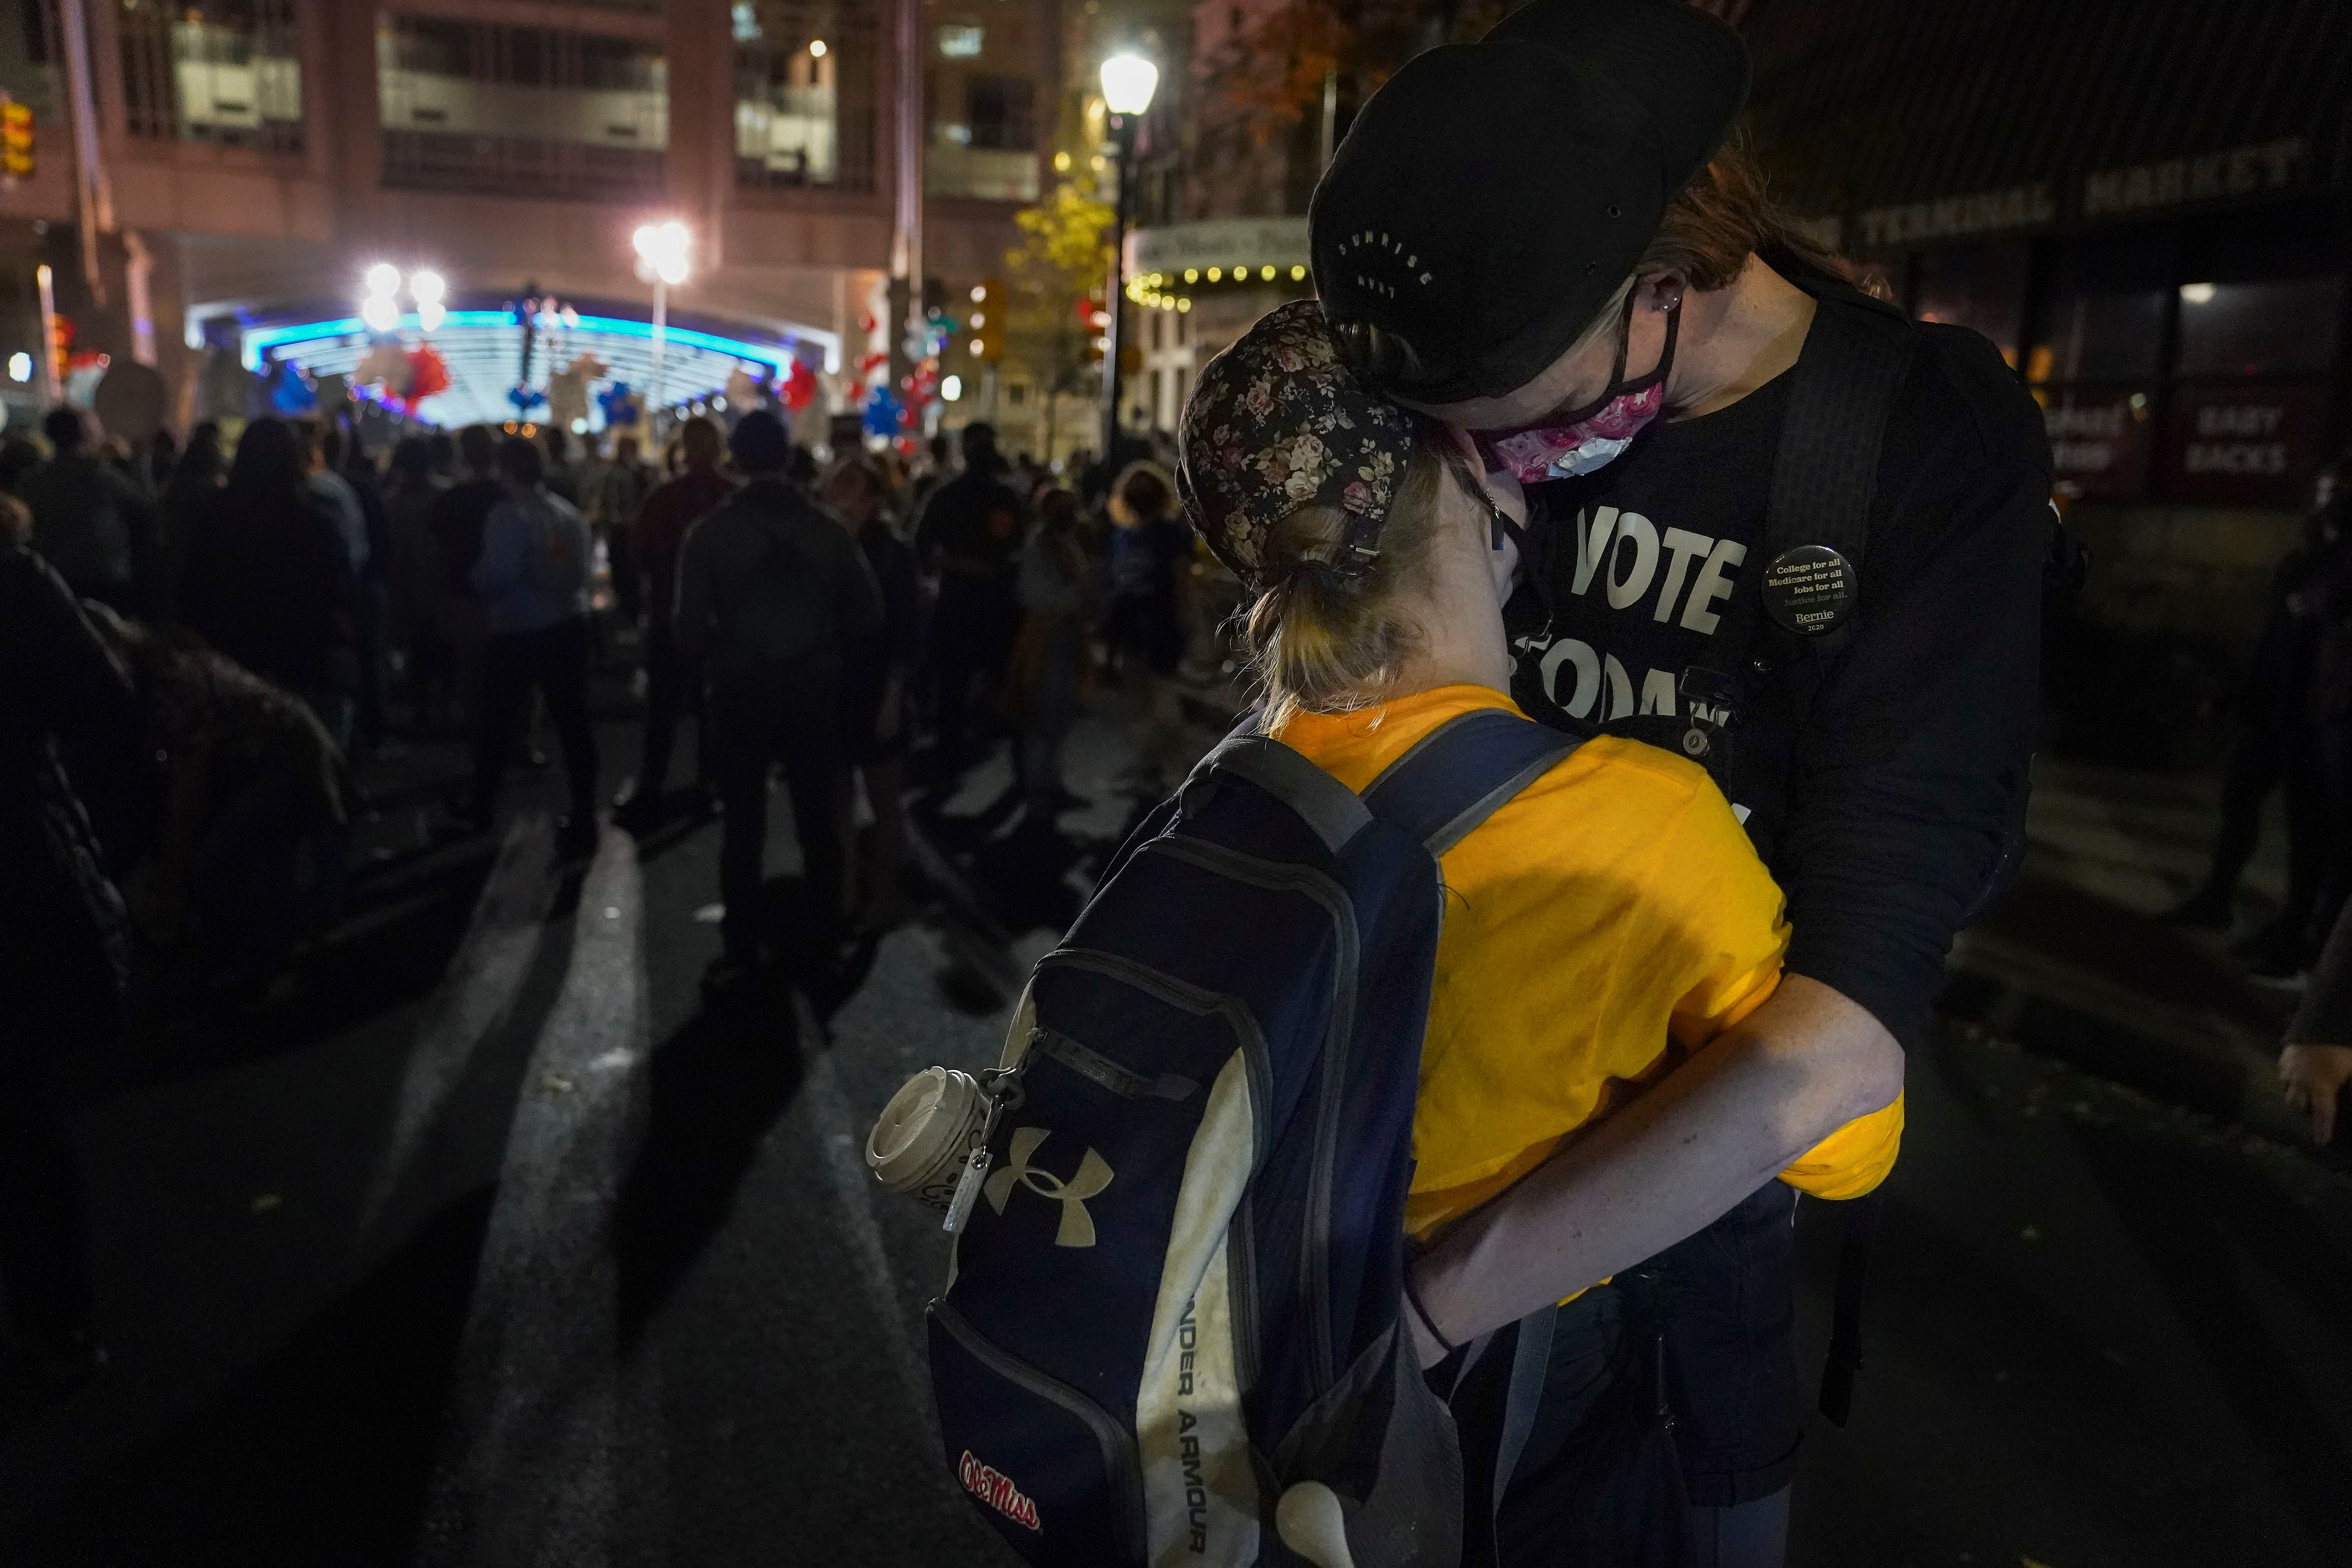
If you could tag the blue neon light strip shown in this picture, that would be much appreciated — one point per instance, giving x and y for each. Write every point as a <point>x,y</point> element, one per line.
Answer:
<point>260,340</point>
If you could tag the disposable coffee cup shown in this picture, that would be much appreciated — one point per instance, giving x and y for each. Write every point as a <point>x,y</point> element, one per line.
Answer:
<point>927,1133</point>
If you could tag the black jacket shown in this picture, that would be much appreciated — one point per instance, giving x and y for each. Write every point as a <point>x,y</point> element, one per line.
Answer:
<point>267,582</point>
<point>63,943</point>
<point>1882,774</point>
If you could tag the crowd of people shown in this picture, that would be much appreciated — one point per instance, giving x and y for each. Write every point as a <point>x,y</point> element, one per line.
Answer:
<point>205,646</point>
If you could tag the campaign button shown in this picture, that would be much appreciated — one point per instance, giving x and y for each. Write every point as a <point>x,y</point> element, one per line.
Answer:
<point>1809,589</point>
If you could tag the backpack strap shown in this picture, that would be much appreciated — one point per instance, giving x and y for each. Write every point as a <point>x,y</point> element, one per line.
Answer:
<point>1335,812</point>
<point>1455,777</point>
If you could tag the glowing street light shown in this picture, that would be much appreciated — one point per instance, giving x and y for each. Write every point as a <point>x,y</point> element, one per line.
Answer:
<point>1128,81</point>
<point>380,307</point>
<point>661,249</point>
<point>429,290</point>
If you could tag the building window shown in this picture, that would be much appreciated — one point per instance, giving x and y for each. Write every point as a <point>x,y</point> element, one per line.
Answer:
<point>804,93</point>
<point>2259,329</point>
<point>521,110</point>
<point>2247,421</point>
<point>982,95</point>
<point>2095,371</point>
<point>2100,336</point>
<point>229,73</point>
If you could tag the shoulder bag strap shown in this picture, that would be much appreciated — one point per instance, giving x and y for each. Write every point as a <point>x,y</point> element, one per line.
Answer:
<point>1825,473</point>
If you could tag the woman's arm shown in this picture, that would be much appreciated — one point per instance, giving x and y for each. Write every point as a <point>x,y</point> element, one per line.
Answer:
<point>1735,1115</point>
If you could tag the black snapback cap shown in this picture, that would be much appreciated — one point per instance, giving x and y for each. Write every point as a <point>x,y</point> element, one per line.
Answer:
<point>1490,198</point>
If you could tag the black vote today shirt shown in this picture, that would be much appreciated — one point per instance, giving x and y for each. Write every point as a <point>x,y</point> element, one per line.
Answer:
<point>1651,564</point>
<point>1879,776</point>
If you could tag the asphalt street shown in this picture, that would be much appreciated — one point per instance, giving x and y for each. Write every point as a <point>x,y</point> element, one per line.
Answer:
<point>488,1243</point>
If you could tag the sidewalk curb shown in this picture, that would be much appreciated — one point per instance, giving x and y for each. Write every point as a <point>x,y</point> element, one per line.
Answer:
<point>2199,1060</point>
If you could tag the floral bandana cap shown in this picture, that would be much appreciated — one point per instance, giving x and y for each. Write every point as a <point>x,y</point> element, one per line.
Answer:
<point>1278,422</point>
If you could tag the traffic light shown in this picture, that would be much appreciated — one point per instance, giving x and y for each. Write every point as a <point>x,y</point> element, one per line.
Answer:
<point>987,322</point>
<point>15,139</point>
<point>61,342</point>
<point>1092,312</point>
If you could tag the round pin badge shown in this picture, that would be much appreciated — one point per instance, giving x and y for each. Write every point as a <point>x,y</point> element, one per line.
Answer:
<point>1810,590</point>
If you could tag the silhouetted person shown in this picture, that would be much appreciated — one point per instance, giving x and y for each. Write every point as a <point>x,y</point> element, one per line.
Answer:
<point>63,939</point>
<point>85,514</point>
<point>268,577</point>
<point>878,679</point>
<point>196,479</point>
<point>771,595</point>
<point>672,684</point>
<point>534,578</point>
<point>2278,745</point>
<point>970,531</point>
<point>1057,593</point>
<point>418,577</point>
<point>459,516</point>
<point>621,494</point>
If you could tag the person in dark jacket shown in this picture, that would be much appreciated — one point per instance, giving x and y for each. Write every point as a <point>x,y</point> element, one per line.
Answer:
<point>2316,1062</point>
<point>772,594</point>
<point>268,580</point>
<point>878,674</point>
<point>87,517</point>
<point>532,575</point>
<point>2277,745</point>
<point>969,536</point>
<point>1627,356</point>
<point>673,683</point>
<point>63,937</point>
<point>459,516</point>
<point>194,480</point>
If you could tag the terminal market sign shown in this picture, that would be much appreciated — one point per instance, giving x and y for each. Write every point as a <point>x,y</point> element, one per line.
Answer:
<point>1230,245</point>
<point>2234,173</point>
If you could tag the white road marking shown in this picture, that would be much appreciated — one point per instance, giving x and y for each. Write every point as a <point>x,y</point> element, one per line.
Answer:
<point>545,1426</point>
<point>473,1000</point>
<point>833,1126</point>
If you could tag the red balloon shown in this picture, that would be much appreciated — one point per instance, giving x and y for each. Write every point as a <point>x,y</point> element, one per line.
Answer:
<point>800,387</point>
<point>428,373</point>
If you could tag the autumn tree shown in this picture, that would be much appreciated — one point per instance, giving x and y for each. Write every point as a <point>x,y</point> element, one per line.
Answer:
<point>1064,259</point>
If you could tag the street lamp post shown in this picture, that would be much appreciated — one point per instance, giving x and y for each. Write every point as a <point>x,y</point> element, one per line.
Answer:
<point>661,260</point>
<point>1128,81</point>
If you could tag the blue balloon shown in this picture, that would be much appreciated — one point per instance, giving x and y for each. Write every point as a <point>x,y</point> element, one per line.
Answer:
<point>526,398</point>
<point>621,405</point>
<point>882,410</point>
<point>291,391</point>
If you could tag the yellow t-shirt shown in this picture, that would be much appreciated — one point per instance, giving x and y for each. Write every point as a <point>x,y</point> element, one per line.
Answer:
<point>1614,906</point>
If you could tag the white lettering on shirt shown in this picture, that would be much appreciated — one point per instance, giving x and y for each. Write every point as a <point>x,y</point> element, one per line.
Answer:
<point>1621,689</point>
<point>1578,703</point>
<point>1594,535</point>
<point>1658,693</point>
<point>1636,530</point>
<point>1681,545</point>
<point>1712,584</point>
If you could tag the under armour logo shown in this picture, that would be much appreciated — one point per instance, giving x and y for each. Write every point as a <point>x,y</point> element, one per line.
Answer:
<point>1078,1229</point>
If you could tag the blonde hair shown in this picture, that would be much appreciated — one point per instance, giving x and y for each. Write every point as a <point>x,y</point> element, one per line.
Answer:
<point>1320,642</point>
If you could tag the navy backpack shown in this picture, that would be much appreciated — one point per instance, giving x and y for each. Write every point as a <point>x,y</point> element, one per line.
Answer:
<point>1175,1292</point>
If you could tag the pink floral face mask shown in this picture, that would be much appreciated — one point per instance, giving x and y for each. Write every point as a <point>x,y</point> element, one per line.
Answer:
<point>1566,445</point>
